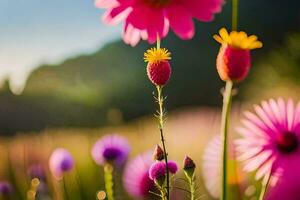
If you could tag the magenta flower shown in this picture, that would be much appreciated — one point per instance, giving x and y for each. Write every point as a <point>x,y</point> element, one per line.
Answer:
<point>145,19</point>
<point>5,188</point>
<point>61,161</point>
<point>111,148</point>
<point>270,141</point>
<point>158,169</point>
<point>136,177</point>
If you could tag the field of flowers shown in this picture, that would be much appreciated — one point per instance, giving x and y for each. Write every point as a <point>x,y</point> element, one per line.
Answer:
<point>187,131</point>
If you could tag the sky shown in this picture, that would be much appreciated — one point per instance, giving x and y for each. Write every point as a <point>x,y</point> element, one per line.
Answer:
<point>34,32</point>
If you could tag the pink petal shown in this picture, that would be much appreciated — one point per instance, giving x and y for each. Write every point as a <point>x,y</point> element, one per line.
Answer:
<point>290,114</point>
<point>116,15</point>
<point>181,21</point>
<point>203,10</point>
<point>106,3</point>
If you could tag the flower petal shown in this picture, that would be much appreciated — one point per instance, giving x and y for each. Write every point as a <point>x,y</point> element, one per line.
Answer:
<point>181,21</point>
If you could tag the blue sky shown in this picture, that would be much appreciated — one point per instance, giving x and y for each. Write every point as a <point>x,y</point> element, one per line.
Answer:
<point>34,32</point>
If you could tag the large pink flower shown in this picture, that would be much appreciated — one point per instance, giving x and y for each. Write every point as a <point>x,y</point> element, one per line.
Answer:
<point>270,144</point>
<point>147,19</point>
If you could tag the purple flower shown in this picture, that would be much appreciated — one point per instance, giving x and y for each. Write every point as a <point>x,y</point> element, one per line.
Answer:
<point>5,188</point>
<point>36,171</point>
<point>172,166</point>
<point>136,177</point>
<point>60,161</point>
<point>111,148</point>
<point>158,169</point>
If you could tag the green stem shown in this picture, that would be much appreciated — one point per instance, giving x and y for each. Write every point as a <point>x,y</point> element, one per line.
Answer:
<point>158,42</point>
<point>109,184</point>
<point>234,22</point>
<point>192,188</point>
<point>224,135</point>
<point>66,195</point>
<point>160,101</point>
<point>265,188</point>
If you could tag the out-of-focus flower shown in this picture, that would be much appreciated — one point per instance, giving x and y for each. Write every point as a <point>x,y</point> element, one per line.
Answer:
<point>60,161</point>
<point>234,59</point>
<point>36,171</point>
<point>211,167</point>
<point>270,143</point>
<point>158,153</point>
<point>5,188</point>
<point>111,149</point>
<point>172,166</point>
<point>158,169</point>
<point>158,68</point>
<point>136,176</point>
<point>147,19</point>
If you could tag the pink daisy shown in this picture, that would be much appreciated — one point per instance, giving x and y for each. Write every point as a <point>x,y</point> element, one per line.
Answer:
<point>211,166</point>
<point>270,142</point>
<point>136,177</point>
<point>145,19</point>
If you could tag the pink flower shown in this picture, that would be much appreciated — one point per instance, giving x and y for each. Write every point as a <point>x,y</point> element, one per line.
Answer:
<point>211,166</point>
<point>136,177</point>
<point>147,19</point>
<point>270,144</point>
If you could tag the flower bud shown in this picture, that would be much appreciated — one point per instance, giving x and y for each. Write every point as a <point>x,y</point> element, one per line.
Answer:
<point>158,68</point>
<point>158,153</point>
<point>234,59</point>
<point>157,173</point>
<point>233,64</point>
<point>189,167</point>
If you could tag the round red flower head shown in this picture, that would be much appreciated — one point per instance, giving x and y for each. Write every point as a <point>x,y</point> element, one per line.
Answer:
<point>158,68</point>
<point>234,59</point>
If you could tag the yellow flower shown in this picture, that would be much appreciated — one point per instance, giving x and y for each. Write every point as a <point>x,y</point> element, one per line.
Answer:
<point>155,55</point>
<point>238,40</point>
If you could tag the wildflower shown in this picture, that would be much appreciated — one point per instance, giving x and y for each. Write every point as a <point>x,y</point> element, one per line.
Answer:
<point>234,59</point>
<point>270,142</point>
<point>60,161</point>
<point>145,19</point>
<point>158,68</point>
<point>136,177</point>
<point>5,188</point>
<point>158,153</point>
<point>157,171</point>
<point>36,171</point>
<point>111,149</point>
<point>189,167</point>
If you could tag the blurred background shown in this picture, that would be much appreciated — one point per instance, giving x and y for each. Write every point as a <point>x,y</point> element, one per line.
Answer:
<point>67,79</point>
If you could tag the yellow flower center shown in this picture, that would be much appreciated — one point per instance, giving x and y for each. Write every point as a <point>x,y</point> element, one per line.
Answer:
<point>155,55</point>
<point>239,40</point>
<point>157,3</point>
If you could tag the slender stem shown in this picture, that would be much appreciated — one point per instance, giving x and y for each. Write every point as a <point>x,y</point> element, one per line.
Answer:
<point>158,42</point>
<point>265,188</point>
<point>79,183</point>
<point>192,188</point>
<point>224,134</point>
<point>66,194</point>
<point>160,101</point>
<point>234,22</point>
<point>109,184</point>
